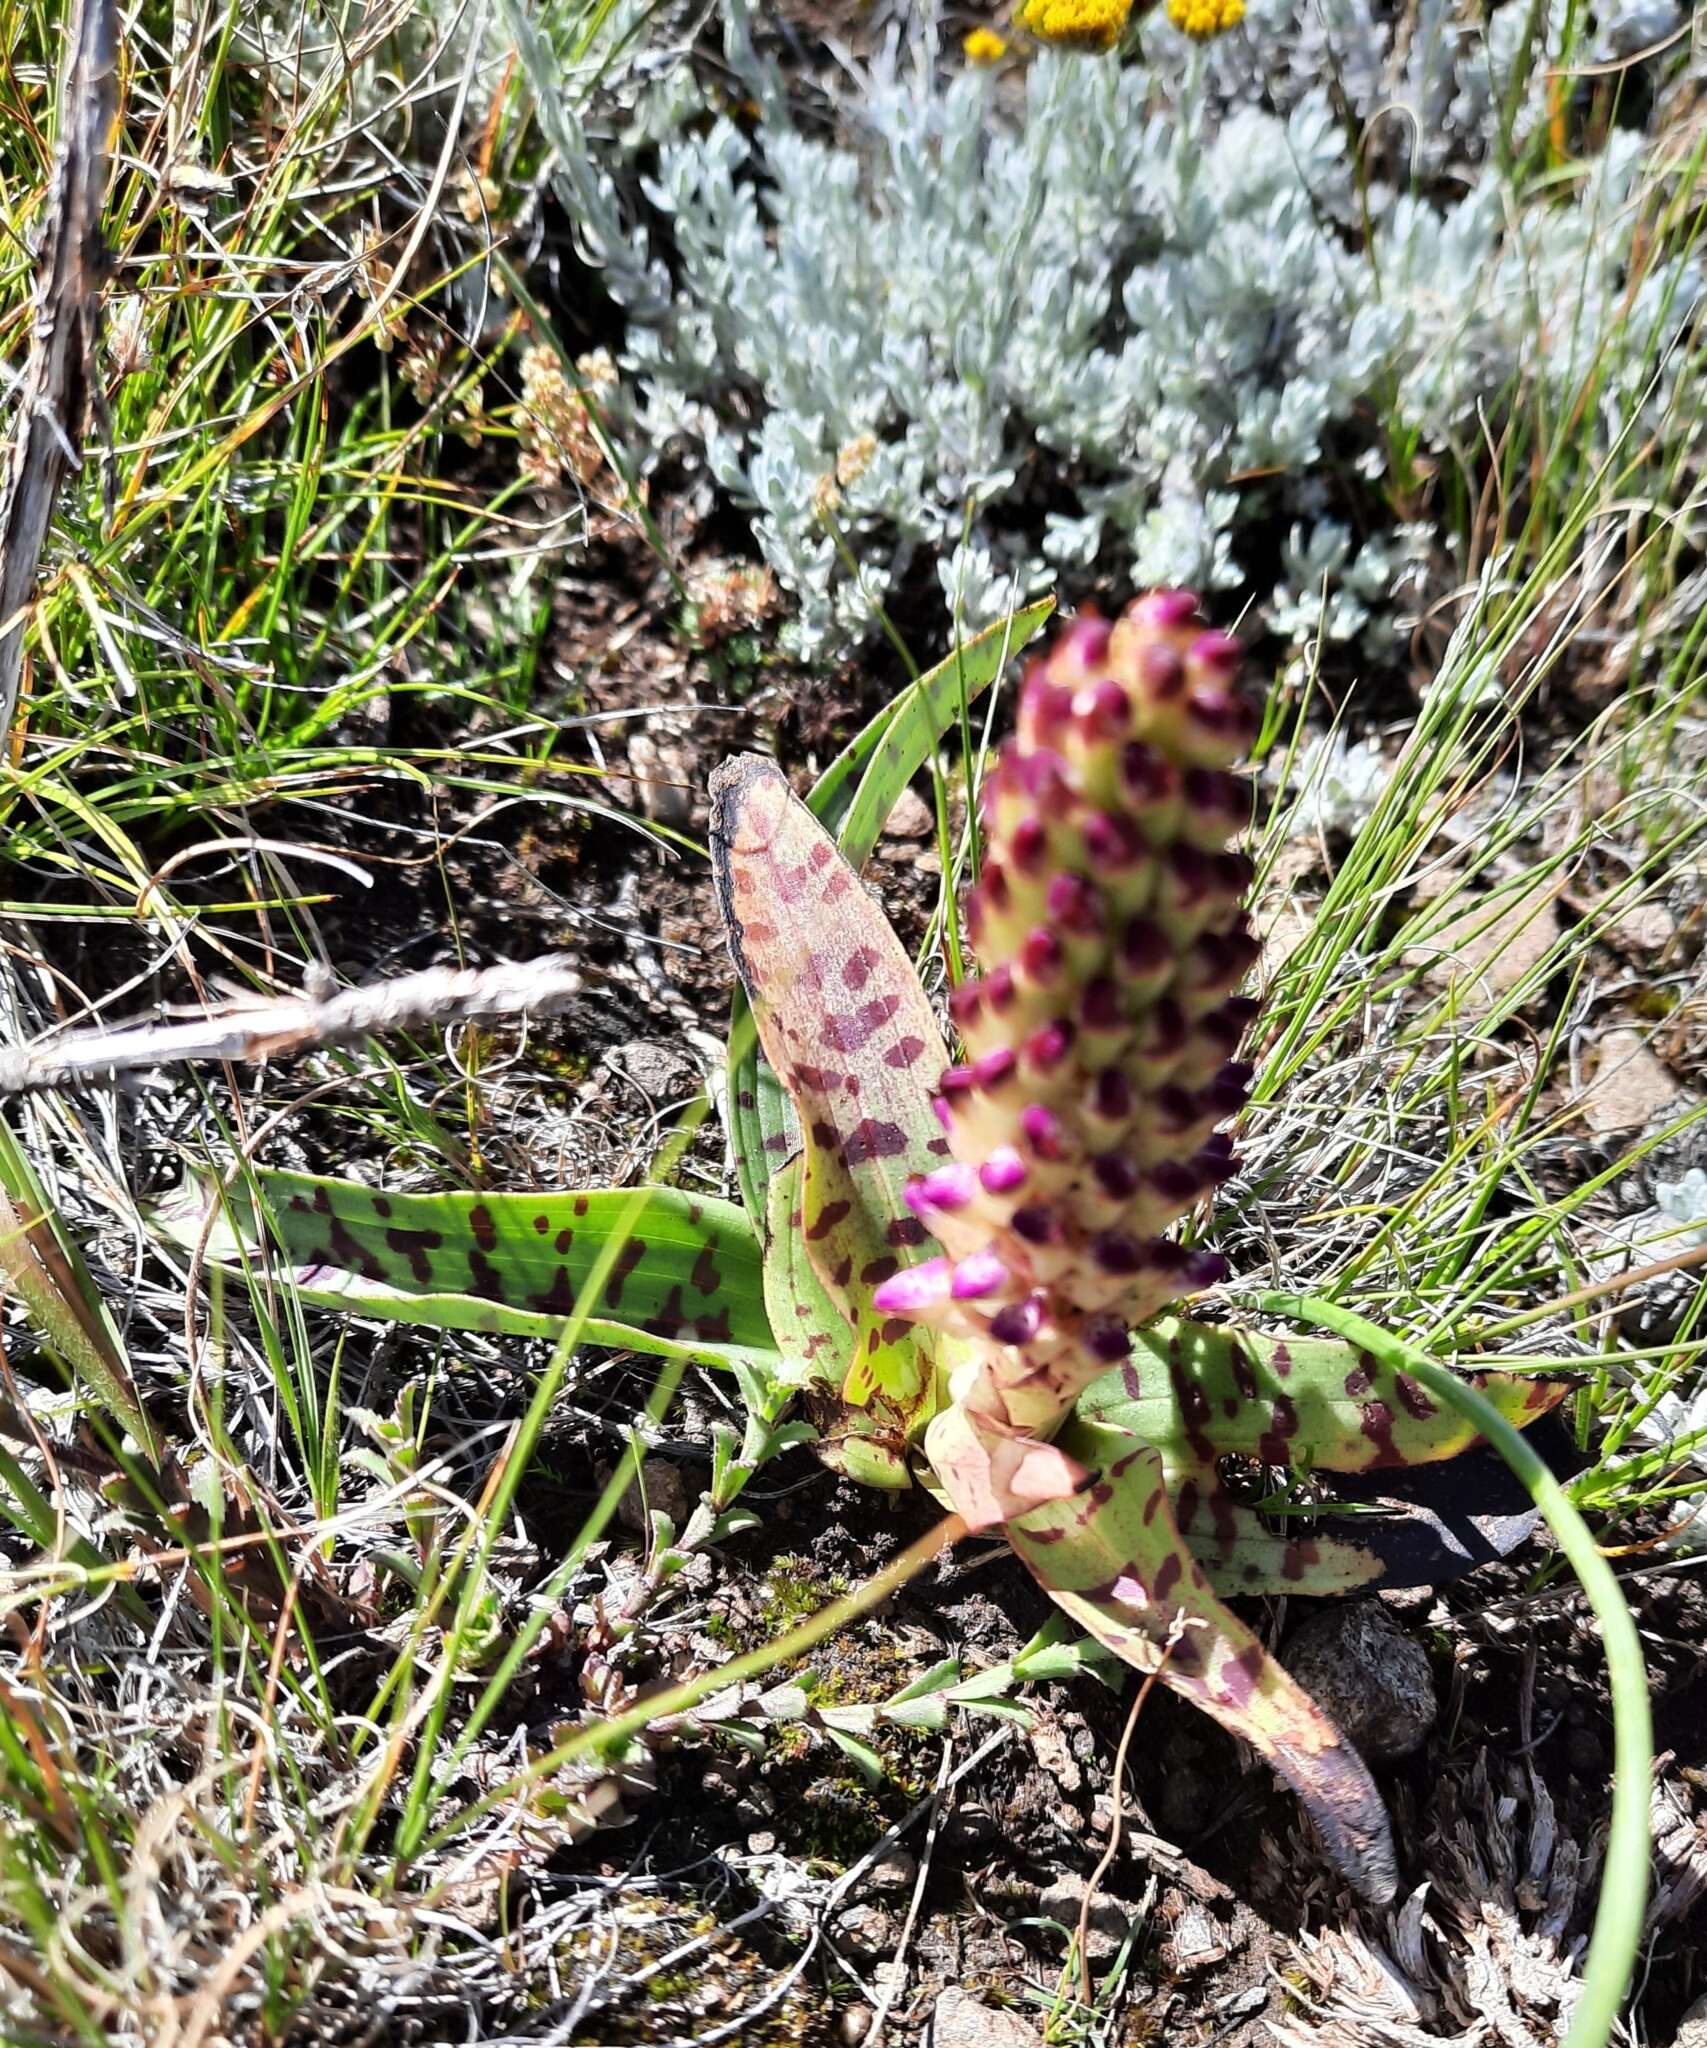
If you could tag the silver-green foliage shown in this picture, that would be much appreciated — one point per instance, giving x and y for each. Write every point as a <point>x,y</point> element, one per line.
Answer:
<point>1164,286</point>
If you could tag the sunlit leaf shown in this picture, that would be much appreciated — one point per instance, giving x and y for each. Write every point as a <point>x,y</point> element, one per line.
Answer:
<point>1113,1558</point>
<point>852,798</point>
<point>843,1020</point>
<point>686,1283</point>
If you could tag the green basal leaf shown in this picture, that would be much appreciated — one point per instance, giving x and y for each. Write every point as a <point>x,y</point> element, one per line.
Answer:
<point>1201,1391</point>
<point>852,1035</point>
<point>853,797</point>
<point>1115,1562</point>
<point>687,1282</point>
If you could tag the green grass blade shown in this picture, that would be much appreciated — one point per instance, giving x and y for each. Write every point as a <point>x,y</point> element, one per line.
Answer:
<point>1611,1959</point>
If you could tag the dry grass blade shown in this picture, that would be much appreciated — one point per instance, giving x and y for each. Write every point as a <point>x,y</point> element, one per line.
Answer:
<point>59,381</point>
<point>292,1024</point>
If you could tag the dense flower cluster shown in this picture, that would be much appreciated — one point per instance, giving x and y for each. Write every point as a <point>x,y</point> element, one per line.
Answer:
<point>1102,1033</point>
<point>1077,24</point>
<point>1204,19</point>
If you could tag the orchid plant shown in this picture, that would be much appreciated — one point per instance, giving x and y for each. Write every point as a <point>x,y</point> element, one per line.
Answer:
<point>963,1266</point>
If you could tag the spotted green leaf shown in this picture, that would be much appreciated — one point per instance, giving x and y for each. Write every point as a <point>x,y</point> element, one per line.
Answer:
<point>686,1283</point>
<point>852,1036</point>
<point>852,798</point>
<point>1203,1392</point>
<point>1113,1559</point>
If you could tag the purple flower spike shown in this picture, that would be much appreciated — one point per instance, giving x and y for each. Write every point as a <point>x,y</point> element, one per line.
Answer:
<point>1100,1035</point>
<point>983,1273</point>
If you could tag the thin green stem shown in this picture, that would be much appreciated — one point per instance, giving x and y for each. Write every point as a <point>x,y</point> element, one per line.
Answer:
<point>1611,1958</point>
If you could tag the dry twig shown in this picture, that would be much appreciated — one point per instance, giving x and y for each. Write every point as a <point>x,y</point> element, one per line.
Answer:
<point>294,1024</point>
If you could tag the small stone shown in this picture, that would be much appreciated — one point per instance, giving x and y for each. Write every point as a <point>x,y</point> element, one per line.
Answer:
<point>1484,950</point>
<point>892,1873</point>
<point>663,777</point>
<point>1110,1919</point>
<point>856,2024</point>
<point>1370,1676</point>
<point>1631,1089</point>
<point>761,1843</point>
<point>912,817</point>
<point>1644,931</point>
<point>659,1487</point>
<point>959,2021</point>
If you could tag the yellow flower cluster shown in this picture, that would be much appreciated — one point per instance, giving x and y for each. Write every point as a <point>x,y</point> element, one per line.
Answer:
<point>984,46</point>
<point>1077,24</point>
<point>1205,19</point>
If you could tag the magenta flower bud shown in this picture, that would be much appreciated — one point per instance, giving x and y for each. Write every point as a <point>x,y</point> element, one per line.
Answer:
<point>1047,1048</point>
<point>1217,651</point>
<point>1107,1339</point>
<point>914,1291</point>
<point>980,1274</point>
<point>1105,710</point>
<point>1084,645</point>
<point>1163,672</point>
<point>1028,846</point>
<point>1040,955</point>
<point>1116,1176</point>
<point>1036,1224</point>
<point>1074,904</point>
<point>956,1082</point>
<point>965,1001</point>
<point>1146,777</point>
<point>1002,1172</point>
<point>1119,1252</point>
<point>1042,1129</point>
<point>1100,1006</point>
<point>1043,706</point>
<point>1114,843</point>
<point>1111,1096</point>
<point>949,1187</point>
<point>994,1069</point>
<point>1144,951</point>
<point>1168,610</point>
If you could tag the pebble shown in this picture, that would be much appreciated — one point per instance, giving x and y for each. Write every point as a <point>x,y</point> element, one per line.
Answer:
<point>959,2021</point>
<point>1374,1680</point>
<point>912,817</point>
<point>1692,2028</point>
<point>892,1873</point>
<point>1110,1918</point>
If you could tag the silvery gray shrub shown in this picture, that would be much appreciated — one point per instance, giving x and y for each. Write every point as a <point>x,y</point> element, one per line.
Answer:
<point>1130,318</point>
